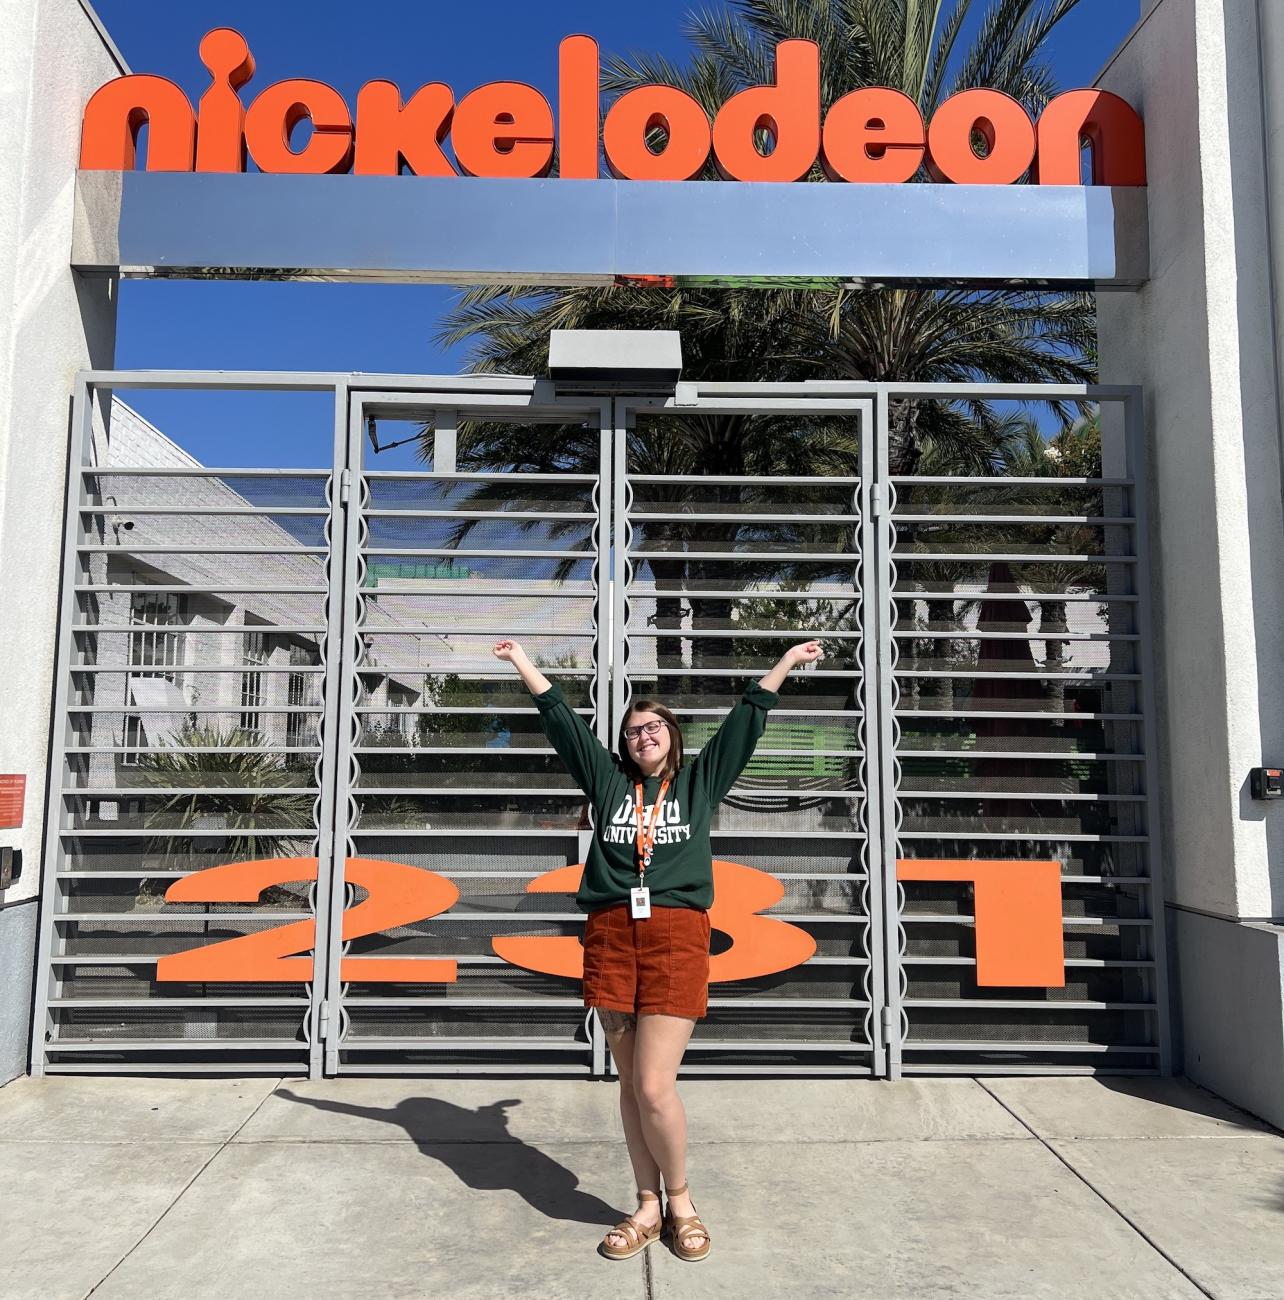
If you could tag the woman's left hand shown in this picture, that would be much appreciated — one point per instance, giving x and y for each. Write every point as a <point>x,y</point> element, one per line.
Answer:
<point>806,653</point>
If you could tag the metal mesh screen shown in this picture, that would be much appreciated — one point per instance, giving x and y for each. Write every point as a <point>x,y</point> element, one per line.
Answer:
<point>1018,733</point>
<point>448,768</point>
<point>265,664</point>
<point>722,564</point>
<point>194,654</point>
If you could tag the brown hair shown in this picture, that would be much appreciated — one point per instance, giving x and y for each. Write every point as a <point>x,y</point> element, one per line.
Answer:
<point>674,759</point>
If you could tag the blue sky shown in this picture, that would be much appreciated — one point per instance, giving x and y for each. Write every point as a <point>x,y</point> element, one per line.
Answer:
<point>386,328</point>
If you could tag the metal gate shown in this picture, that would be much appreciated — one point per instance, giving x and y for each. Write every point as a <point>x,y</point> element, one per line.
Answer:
<point>298,814</point>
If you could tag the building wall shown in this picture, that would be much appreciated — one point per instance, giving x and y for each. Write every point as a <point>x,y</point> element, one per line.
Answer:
<point>52,324</point>
<point>1201,337</point>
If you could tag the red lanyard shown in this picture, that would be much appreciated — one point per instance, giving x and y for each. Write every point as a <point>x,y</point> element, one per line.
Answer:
<point>646,831</point>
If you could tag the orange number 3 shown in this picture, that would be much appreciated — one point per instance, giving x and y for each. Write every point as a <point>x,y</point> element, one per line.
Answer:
<point>760,945</point>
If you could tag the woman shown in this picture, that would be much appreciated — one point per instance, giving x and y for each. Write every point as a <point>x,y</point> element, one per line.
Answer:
<point>647,888</point>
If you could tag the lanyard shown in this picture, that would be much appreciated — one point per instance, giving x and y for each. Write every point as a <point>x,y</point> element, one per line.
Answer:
<point>646,831</point>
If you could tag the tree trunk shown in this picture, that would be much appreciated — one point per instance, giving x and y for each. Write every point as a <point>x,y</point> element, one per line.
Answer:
<point>941,688</point>
<point>904,450</point>
<point>1052,620</point>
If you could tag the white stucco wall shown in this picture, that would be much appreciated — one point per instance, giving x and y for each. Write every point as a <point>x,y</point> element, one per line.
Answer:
<point>1201,337</point>
<point>53,56</point>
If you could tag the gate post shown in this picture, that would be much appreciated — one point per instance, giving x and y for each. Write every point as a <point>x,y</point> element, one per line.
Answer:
<point>881,734</point>
<point>331,840</point>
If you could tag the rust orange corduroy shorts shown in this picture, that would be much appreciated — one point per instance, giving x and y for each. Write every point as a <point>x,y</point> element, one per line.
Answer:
<point>658,965</point>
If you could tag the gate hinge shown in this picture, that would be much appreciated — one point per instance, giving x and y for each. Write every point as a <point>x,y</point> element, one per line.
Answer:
<point>887,1024</point>
<point>325,1019</point>
<point>345,486</point>
<point>877,500</point>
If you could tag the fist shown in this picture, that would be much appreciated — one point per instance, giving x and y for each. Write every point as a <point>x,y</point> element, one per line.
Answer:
<point>506,650</point>
<point>806,653</point>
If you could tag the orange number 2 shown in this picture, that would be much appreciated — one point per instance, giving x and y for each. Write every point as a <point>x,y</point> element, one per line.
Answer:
<point>397,895</point>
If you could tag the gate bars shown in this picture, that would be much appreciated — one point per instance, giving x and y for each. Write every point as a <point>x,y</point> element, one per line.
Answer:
<point>978,735</point>
<point>1086,728</point>
<point>494,1018</point>
<point>722,544</point>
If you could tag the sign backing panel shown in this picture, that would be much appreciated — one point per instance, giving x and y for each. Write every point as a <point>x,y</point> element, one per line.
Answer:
<point>566,232</point>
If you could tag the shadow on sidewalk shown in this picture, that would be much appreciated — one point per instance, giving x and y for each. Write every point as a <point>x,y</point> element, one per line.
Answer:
<point>482,1153</point>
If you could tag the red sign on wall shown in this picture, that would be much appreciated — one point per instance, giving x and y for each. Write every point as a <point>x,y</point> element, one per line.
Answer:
<point>13,794</point>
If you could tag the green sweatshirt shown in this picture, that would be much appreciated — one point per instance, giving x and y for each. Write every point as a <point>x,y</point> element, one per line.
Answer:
<point>681,870</point>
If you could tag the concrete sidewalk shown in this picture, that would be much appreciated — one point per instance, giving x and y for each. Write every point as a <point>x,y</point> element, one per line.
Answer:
<point>389,1188</point>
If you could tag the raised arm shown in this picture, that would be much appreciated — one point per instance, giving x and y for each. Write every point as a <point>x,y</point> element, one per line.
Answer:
<point>512,653</point>
<point>807,652</point>
<point>720,762</point>
<point>586,758</point>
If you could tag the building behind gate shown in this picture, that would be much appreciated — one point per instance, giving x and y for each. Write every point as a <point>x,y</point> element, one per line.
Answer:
<point>276,810</point>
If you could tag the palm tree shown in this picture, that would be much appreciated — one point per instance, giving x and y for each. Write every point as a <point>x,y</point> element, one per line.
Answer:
<point>919,335</point>
<point>788,333</point>
<point>261,812</point>
<point>1074,453</point>
<point>261,815</point>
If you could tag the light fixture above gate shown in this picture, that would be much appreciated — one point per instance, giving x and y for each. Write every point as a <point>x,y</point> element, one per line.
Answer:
<point>615,357</point>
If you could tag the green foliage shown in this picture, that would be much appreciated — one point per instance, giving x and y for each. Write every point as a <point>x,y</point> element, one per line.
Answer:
<point>1077,450</point>
<point>880,335</point>
<point>444,691</point>
<point>266,822</point>
<point>790,334</point>
<point>803,618</point>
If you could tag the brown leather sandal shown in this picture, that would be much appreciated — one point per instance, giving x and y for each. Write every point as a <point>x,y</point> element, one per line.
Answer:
<point>681,1227</point>
<point>634,1233</point>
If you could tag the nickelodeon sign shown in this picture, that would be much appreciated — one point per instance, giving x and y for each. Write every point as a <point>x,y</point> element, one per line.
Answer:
<point>776,132</point>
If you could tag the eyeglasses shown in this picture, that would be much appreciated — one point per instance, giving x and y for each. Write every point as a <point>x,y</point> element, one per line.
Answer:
<point>649,728</point>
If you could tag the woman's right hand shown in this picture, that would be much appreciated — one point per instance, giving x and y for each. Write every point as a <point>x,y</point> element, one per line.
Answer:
<point>534,680</point>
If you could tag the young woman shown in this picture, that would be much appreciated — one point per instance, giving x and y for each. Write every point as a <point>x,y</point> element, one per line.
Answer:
<point>647,888</point>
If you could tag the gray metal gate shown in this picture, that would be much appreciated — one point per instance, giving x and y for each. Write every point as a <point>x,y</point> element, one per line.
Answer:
<point>278,716</point>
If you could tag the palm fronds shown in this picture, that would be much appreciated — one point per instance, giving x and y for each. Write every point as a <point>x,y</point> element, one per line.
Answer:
<point>896,335</point>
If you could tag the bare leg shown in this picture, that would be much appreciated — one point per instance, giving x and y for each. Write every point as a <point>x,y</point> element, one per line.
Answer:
<point>621,1036</point>
<point>661,1041</point>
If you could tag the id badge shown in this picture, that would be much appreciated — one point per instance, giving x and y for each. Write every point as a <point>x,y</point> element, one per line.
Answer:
<point>640,903</point>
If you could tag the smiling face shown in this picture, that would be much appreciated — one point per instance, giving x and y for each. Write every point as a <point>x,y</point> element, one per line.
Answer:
<point>650,752</point>
<point>646,750</point>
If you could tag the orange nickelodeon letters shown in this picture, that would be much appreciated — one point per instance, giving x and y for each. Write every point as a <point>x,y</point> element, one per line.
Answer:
<point>578,108</point>
<point>220,120</point>
<point>280,108</point>
<point>118,111</point>
<point>789,114</point>
<point>504,129</point>
<point>1000,121</point>
<point>1107,123</point>
<point>873,136</point>
<point>777,132</point>
<point>665,108</point>
<point>392,132</point>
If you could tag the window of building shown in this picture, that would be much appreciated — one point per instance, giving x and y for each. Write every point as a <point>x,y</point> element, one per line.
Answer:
<point>154,655</point>
<point>154,647</point>
<point>254,653</point>
<point>299,729</point>
<point>402,697</point>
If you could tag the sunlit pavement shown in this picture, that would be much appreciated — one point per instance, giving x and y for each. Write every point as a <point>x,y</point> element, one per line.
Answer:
<point>389,1188</point>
